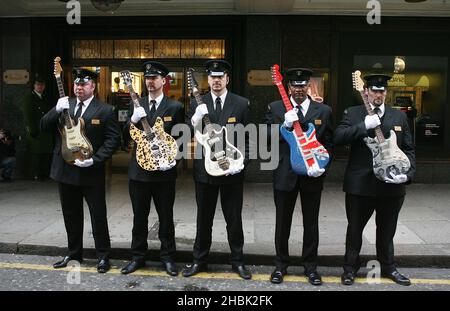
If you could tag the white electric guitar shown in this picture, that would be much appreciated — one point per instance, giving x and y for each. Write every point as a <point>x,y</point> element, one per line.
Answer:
<point>74,143</point>
<point>387,156</point>
<point>221,157</point>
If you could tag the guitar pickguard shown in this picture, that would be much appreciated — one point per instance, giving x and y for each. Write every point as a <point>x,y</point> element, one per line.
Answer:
<point>74,144</point>
<point>152,153</point>
<point>387,157</point>
<point>214,156</point>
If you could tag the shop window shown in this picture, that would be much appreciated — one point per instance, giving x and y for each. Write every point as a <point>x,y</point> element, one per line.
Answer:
<point>419,88</point>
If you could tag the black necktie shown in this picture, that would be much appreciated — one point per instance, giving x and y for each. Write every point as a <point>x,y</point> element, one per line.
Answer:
<point>377,111</point>
<point>80,109</point>
<point>218,109</point>
<point>153,108</point>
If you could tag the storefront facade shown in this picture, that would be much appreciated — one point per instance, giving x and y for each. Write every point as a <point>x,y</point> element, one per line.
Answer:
<point>332,46</point>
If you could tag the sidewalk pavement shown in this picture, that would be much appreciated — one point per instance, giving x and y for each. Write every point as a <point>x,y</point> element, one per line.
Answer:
<point>31,222</point>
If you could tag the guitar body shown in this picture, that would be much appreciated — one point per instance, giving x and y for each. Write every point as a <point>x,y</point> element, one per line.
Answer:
<point>305,150</point>
<point>154,152</point>
<point>387,157</point>
<point>233,156</point>
<point>74,143</point>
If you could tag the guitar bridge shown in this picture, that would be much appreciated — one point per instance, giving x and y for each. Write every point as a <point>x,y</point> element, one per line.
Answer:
<point>224,164</point>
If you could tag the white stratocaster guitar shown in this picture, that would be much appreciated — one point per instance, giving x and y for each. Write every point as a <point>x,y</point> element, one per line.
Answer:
<point>221,157</point>
<point>387,156</point>
<point>74,143</point>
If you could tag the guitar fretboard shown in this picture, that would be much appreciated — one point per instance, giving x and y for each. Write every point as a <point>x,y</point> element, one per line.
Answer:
<point>287,103</point>
<point>135,99</point>
<point>378,132</point>
<point>66,114</point>
<point>199,100</point>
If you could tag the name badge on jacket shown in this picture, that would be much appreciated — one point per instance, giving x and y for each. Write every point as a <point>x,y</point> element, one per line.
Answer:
<point>397,128</point>
<point>318,122</point>
<point>168,119</point>
<point>231,120</point>
<point>95,121</point>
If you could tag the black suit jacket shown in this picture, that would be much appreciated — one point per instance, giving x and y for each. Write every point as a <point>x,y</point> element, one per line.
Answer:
<point>235,110</point>
<point>102,130</point>
<point>284,178</point>
<point>167,108</point>
<point>359,177</point>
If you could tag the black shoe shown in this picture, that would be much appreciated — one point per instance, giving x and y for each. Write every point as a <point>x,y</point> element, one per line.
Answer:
<point>6,179</point>
<point>190,270</point>
<point>314,278</point>
<point>132,266</point>
<point>63,263</point>
<point>103,266</point>
<point>171,268</point>
<point>277,276</point>
<point>397,277</point>
<point>348,278</point>
<point>242,271</point>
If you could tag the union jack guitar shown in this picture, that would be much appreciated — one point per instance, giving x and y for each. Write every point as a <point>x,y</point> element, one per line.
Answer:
<point>306,151</point>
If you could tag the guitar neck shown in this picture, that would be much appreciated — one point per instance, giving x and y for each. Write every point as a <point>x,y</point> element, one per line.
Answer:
<point>66,114</point>
<point>287,103</point>
<point>135,99</point>
<point>378,132</point>
<point>199,100</point>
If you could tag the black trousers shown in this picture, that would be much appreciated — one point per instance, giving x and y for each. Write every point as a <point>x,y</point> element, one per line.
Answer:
<point>231,198</point>
<point>359,209</point>
<point>72,207</point>
<point>163,195</point>
<point>285,203</point>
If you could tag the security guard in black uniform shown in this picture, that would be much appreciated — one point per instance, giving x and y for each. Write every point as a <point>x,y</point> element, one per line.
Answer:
<point>223,108</point>
<point>40,145</point>
<point>287,184</point>
<point>157,185</point>
<point>364,192</point>
<point>85,179</point>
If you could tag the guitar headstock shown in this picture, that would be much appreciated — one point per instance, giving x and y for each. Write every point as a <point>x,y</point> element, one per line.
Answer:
<point>126,76</point>
<point>192,83</point>
<point>358,83</point>
<point>277,78</point>
<point>57,68</point>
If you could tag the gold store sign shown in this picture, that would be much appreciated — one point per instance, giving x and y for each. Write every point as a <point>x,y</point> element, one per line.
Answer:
<point>20,76</point>
<point>259,78</point>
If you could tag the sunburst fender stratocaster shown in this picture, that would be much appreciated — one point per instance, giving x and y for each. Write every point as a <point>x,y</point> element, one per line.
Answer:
<point>387,156</point>
<point>154,147</point>
<point>221,157</point>
<point>74,143</point>
<point>306,150</point>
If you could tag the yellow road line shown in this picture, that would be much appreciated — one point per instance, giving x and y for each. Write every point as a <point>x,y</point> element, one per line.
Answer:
<point>216,275</point>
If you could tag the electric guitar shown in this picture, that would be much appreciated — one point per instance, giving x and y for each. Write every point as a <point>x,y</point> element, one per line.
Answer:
<point>74,143</point>
<point>387,156</point>
<point>219,161</point>
<point>154,147</point>
<point>306,151</point>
